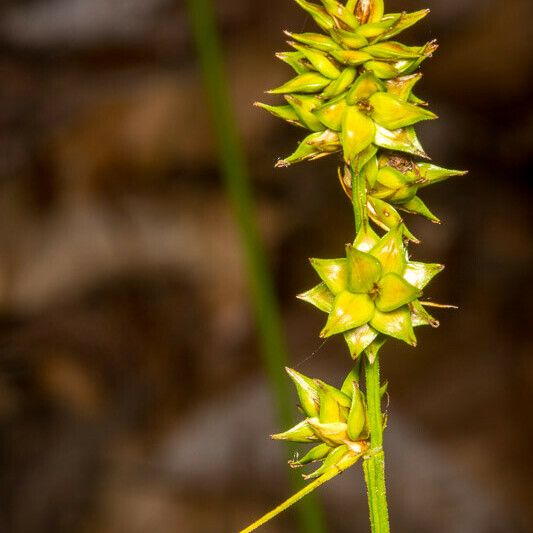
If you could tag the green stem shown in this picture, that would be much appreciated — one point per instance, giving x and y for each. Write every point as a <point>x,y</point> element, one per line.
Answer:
<point>333,472</point>
<point>360,209</point>
<point>374,463</point>
<point>235,173</point>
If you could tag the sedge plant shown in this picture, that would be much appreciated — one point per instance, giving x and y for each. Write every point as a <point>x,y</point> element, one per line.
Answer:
<point>353,91</point>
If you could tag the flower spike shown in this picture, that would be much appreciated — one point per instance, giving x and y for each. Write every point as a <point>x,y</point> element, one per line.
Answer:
<point>353,91</point>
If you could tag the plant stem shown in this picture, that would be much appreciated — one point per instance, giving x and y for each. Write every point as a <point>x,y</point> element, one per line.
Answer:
<point>374,463</point>
<point>333,472</point>
<point>235,173</point>
<point>360,210</point>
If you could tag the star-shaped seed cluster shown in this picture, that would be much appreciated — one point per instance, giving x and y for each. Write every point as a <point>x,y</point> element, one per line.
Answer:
<point>393,182</point>
<point>336,423</point>
<point>373,292</point>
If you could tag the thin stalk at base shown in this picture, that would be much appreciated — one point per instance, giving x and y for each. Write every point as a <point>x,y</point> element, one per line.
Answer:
<point>333,472</point>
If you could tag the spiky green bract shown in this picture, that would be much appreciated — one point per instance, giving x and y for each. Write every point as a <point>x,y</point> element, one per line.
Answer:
<point>373,292</point>
<point>336,422</point>
<point>357,44</point>
<point>393,182</point>
<point>354,90</point>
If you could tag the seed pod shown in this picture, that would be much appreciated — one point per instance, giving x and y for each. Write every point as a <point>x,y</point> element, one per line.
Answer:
<point>331,461</point>
<point>370,295</point>
<point>394,292</point>
<point>366,240</point>
<point>382,69</point>
<point>385,216</point>
<point>428,174</point>
<point>327,141</point>
<point>319,296</point>
<point>329,410</point>
<point>302,432</point>
<point>285,112</point>
<point>386,70</point>
<point>404,21</point>
<point>310,82</point>
<point>312,147</point>
<point>317,453</point>
<point>316,40</point>
<point>390,252</point>
<point>348,39</point>
<point>413,99</point>
<point>393,186</point>
<point>351,378</point>
<point>366,85</point>
<point>402,140</point>
<point>320,16</point>
<point>333,272</point>
<point>392,179</point>
<point>393,113</point>
<point>364,270</point>
<point>340,12</point>
<point>358,132</point>
<point>332,113</point>
<point>351,58</point>
<point>357,417</point>
<point>369,10</point>
<point>420,274</point>
<point>319,60</point>
<point>396,324</point>
<point>350,5</point>
<point>376,29</point>
<point>338,86</point>
<point>392,51</point>
<point>294,60</point>
<point>416,206</point>
<point>342,399</point>
<point>333,433</point>
<point>307,392</point>
<point>302,153</point>
<point>359,339</point>
<point>303,107</point>
<point>349,311</point>
<point>382,214</point>
<point>402,87</point>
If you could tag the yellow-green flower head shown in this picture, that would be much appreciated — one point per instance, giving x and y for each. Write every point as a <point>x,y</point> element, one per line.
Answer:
<point>336,421</point>
<point>353,87</point>
<point>393,182</point>
<point>372,292</point>
<point>368,113</point>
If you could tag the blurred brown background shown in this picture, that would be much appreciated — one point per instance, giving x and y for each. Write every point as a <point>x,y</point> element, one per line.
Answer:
<point>132,398</point>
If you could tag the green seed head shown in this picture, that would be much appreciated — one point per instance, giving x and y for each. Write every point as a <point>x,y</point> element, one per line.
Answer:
<point>354,84</point>
<point>372,292</point>
<point>336,422</point>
